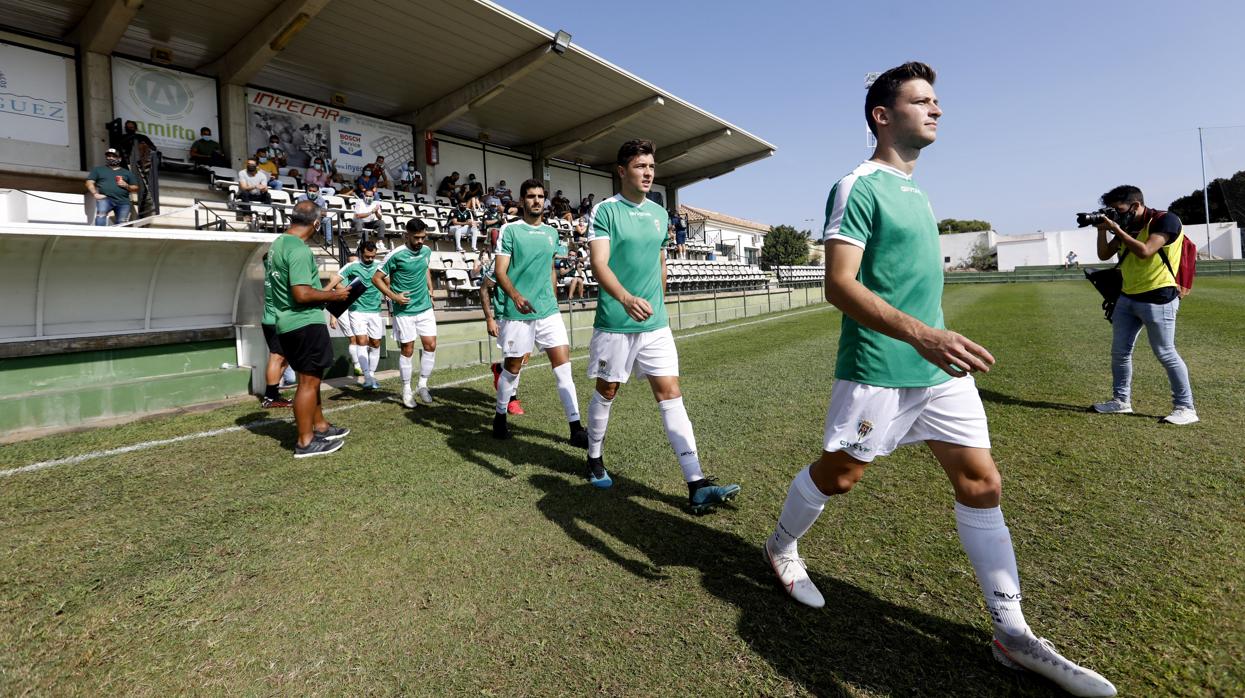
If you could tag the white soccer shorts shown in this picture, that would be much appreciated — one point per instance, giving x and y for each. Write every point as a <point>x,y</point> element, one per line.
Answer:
<point>519,337</point>
<point>344,323</point>
<point>408,328</point>
<point>614,356</point>
<point>370,324</point>
<point>866,421</point>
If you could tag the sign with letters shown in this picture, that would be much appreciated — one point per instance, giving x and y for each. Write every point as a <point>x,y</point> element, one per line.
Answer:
<point>170,106</point>
<point>34,95</point>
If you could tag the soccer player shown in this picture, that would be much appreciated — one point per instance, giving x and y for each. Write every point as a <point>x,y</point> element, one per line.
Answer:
<point>276,355</point>
<point>902,378</point>
<point>491,295</point>
<point>364,325</point>
<point>631,333</point>
<point>355,347</point>
<point>298,299</point>
<point>405,279</point>
<point>529,310</point>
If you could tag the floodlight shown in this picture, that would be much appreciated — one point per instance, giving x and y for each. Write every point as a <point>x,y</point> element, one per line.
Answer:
<point>561,41</point>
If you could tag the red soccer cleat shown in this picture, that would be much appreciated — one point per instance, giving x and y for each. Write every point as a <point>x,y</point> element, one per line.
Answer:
<point>514,407</point>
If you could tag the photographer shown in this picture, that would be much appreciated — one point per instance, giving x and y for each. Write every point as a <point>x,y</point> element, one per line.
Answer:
<point>1148,242</point>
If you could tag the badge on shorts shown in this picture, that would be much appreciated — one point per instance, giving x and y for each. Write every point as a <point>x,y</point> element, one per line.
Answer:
<point>863,429</point>
<point>601,365</point>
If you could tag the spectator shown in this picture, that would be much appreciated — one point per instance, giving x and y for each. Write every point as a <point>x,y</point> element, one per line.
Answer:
<point>503,191</point>
<point>571,274</point>
<point>132,140</point>
<point>560,205</point>
<point>448,187</point>
<point>320,176</point>
<point>460,223</point>
<point>252,186</point>
<point>367,179</point>
<point>111,185</point>
<point>275,153</point>
<point>382,175</point>
<point>206,152</point>
<point>472,192</point>
<point>476,272</point>
<point>410,179</point>
<point>1071,260</point>
<point>585,206</point>
<point>368,214</point>
<point>492,219</point>
<point>491,200</point>
<point>268,168</point>
<point>581,229</point>
<point>326,221</point>
<point>679,225</point>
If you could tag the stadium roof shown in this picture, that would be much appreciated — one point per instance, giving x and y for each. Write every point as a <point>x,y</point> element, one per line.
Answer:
<point>724,218</point>
<point>463,67</point>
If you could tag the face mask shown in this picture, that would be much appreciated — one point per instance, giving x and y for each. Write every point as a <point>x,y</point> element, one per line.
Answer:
<point>251,169</point>
<point>112,162</point>
<point>319,166</point>
<point>367,173</point>
<point>273,145</point>
<point>367,199</point>
<point>206,135</point>
<point>263,160</point>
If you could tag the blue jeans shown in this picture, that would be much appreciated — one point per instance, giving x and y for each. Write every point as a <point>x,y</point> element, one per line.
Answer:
<point>1160,323</point>
<point>105,205</point>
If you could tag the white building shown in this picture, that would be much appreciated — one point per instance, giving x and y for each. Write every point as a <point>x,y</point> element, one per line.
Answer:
<point>1051,247</point>
<point>737,239</point>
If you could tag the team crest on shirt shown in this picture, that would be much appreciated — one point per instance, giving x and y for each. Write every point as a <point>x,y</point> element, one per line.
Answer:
<point>863,429</point>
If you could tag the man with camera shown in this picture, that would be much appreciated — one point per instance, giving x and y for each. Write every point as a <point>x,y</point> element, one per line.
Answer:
<point>1148,242</point>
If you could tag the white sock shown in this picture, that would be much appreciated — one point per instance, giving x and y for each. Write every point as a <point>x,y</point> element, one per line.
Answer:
<point>404,369</point>
<point>989,546</point>
<point>598,420</point>
<point>426,362</point>
<point>804,504</point>
<point>354,356</point>
<point>288,376</point>
<point>361,360</point>
<point>515,392</point>
<point>566,391</point>
<point>373,361</point>
<point>505,386</point>
<point>682,440</point>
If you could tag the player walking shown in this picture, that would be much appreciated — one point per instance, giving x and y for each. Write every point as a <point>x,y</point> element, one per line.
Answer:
<point>405,279</point>
<point>365,325</point>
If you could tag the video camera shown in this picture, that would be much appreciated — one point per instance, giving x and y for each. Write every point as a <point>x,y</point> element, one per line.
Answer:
<point>1103,214</point>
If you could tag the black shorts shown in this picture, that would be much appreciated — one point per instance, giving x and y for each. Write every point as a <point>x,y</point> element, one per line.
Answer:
<point>274,343</point>
<point>308,349</point>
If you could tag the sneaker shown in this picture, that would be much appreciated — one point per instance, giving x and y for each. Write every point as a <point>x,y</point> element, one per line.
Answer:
<point>501,430</point>
<point>579,438</point>
<point>793,576</point>
<point>360,379</point>
<point>269,403</point>
<point>1181,416</point>
<point>1113,406</point>
<point>408,397</point>
<point>286,386</point>
<point>707,494</point>
<point>515,407</point>
<point>332,433</point>
<point>496,369</point>
<point>371,384</point>
<point>425,397</point>
<point>317,447</point>
<point>358,371</point>
<point>597,476</point>
<point>1038,655</point>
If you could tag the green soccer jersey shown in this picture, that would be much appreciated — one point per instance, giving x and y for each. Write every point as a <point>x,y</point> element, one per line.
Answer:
<point>531,250</point>
<point>369,302</point>
<point>882,211</point>
<point>270,310</point>
<point>291,264</point>
<point>637,235</point>
<point>408,273</point>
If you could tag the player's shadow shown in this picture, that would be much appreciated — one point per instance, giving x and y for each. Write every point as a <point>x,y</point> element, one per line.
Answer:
<point>355,393</point>
<point>275,424</point>
<point>858,642</point>
<point>1001,399</point>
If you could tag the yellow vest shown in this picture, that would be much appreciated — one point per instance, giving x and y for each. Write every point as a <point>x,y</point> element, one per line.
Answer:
<point>1141,275</point>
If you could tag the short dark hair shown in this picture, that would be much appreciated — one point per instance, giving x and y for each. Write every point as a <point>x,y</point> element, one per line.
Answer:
<point>416,225</point>
<point>885,89</point>
<point>369,246</point>
<point>305,213</point>
<point>634,148</point>
<point>530,184</point>
<point>1123,194</point>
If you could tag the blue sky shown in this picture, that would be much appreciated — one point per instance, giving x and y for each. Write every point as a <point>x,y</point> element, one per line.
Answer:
<point>1046,105</point>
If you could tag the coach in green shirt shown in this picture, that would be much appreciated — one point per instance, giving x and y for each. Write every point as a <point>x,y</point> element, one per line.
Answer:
<point>298,299</point>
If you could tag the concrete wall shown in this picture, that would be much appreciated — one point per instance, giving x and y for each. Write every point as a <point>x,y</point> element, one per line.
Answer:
<point>1052,247</point>
<point>957,248</point>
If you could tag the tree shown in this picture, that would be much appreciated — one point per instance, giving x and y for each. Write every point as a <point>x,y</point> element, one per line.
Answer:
<point>1227,202</point>
<point>784,246</point>
<point>947,226</point>
<point>982,258</point>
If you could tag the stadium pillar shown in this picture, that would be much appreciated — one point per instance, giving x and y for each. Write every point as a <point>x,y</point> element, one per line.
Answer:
<point>233,123</point>
<point>672,198</point>
<point>421,158</point>
<point>96,105</point>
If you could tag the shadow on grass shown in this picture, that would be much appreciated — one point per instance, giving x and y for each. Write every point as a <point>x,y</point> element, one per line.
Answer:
<point>273,424</point>
<point>1001,399</point>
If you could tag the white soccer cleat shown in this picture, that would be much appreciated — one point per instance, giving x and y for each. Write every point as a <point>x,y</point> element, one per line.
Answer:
<point>1113,406</point>
<point>361,379</point>
<point>1181,416</point>
<point>794,577</point>
<point>425,397</point>
<point>1037,654</point>
<point>408,397</point>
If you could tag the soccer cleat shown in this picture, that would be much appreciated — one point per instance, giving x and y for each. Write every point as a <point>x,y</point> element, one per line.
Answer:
<point>332,433</point>
<point>408,397</point>
<point>1113,406</point>
<point>597,475</point>
<point>1037,654</point>
<point>372,384</point>
<point>425,397</point>
<point>793,576</point>
<point>707,494</point>
<point>269,403</point>
<point>1181,416</point>
<point>358,371</point>
<point>501,430</point>
<point>579,438</point>
<point>514,406</point>
<point>496,369</point>
<point>317,447</point>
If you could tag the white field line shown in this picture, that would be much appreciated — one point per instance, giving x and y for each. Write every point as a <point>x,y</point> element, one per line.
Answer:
<point>71,460</point>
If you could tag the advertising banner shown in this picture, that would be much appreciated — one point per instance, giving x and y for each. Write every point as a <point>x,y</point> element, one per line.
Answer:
<point>307,130</point>
<point>170,106</point>
<point>34,95</point>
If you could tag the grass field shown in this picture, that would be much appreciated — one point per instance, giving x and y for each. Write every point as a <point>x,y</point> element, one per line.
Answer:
<point>427,559</point>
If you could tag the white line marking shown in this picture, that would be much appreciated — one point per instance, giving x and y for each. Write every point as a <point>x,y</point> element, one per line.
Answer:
<point>71,460</point>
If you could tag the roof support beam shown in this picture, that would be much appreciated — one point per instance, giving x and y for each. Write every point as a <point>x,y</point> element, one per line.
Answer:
<point>597,128</point>
<point>268,38</point>
<point>104,24</point>
<point>669,153</point>
<point>432,116</point>
<point>683,179</point>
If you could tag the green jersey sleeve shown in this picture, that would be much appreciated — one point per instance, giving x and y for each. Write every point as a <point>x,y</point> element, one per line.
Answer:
<point>850,211</point>
<point>599,223</point>
<point>506,244</point>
